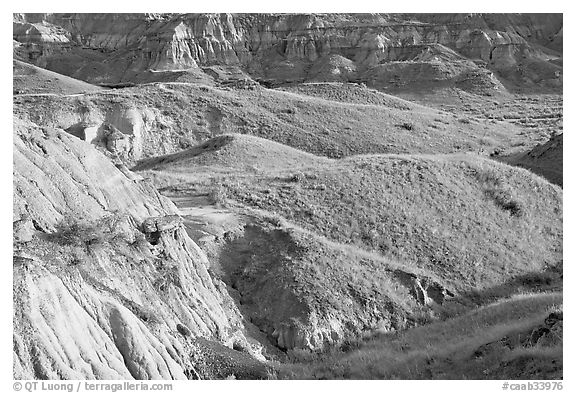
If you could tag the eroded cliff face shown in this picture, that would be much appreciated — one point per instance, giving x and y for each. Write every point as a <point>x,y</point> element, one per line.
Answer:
<point>289,283</point>
<point>521,49</point>
<point>107,284</point>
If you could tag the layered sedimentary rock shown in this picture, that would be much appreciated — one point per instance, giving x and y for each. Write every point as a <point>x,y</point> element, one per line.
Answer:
<point>281,47</point>
<point>107,284</point>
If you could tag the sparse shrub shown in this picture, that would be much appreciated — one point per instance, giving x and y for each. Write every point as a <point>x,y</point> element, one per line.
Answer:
<point>183,330</point>
<point>536,279</point>
<point>407,126</point>
<point>297,177</point>
<point>495,153</point>
<point>275,219</point>
<point>218,195</point>
<point>505,200</point>
<point>185,143</point>
<point>240,347</point>
<point>464,120</point>
<point>76,256</point>
<point>145,314</point>
<point>75,232</point>
<point>349,345</point>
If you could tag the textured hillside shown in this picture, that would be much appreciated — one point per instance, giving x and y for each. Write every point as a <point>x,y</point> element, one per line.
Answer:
<point>259,196</point>
<point>151,120</point>
<point>388,241</point>
<point>469,220</point>
<point>107,284</point>
<point>515,338</point>
<point>233,151</point>
<point>29,79</point>
<point>380,49</point>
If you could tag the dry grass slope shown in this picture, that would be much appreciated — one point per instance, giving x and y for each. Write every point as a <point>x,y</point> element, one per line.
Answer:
<point>472,221</point>
<point>29,79</point>
<point>492,342</point>
<point>243,153</point>
<point>185,115</point>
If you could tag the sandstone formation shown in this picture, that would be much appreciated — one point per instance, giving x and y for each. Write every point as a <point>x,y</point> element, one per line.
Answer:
<point>104,272</point>
<point>436,49</point>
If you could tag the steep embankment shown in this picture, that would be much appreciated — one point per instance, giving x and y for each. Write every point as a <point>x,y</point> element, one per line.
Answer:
<point>306,292</point>
<point>107,284</point>
<point>545,159</point>
<point>515,338</point>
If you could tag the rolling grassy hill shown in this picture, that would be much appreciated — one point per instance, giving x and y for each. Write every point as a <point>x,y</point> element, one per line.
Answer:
<point>177,116</point>
<point>471,220</point>
<point>242,153</point>
<point>29,79</point>
<point>347,243</point>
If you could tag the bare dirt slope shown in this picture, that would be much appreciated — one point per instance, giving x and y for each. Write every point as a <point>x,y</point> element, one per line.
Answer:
<point>105,273</point>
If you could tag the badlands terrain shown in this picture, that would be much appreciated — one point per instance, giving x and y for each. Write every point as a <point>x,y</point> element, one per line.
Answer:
<point>283,196</point>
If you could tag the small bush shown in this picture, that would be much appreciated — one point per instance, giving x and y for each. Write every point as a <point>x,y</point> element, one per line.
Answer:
<point>218,195</point>
<point>185,143</point>
<point>407,126</point>
<point>145,314</point>
<point>297,177</point>
<point>506,201</point>
<point>183,330</point>
<point>80,234</point>
<point>535,279</point>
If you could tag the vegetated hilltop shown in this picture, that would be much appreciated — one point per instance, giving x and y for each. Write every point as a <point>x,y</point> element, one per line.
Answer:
<point>474,51</point>
<point>150,120</point>
<point>29,79</point>
<point>236,152</point>
<point>472,221</point>
<point>107,284</point>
